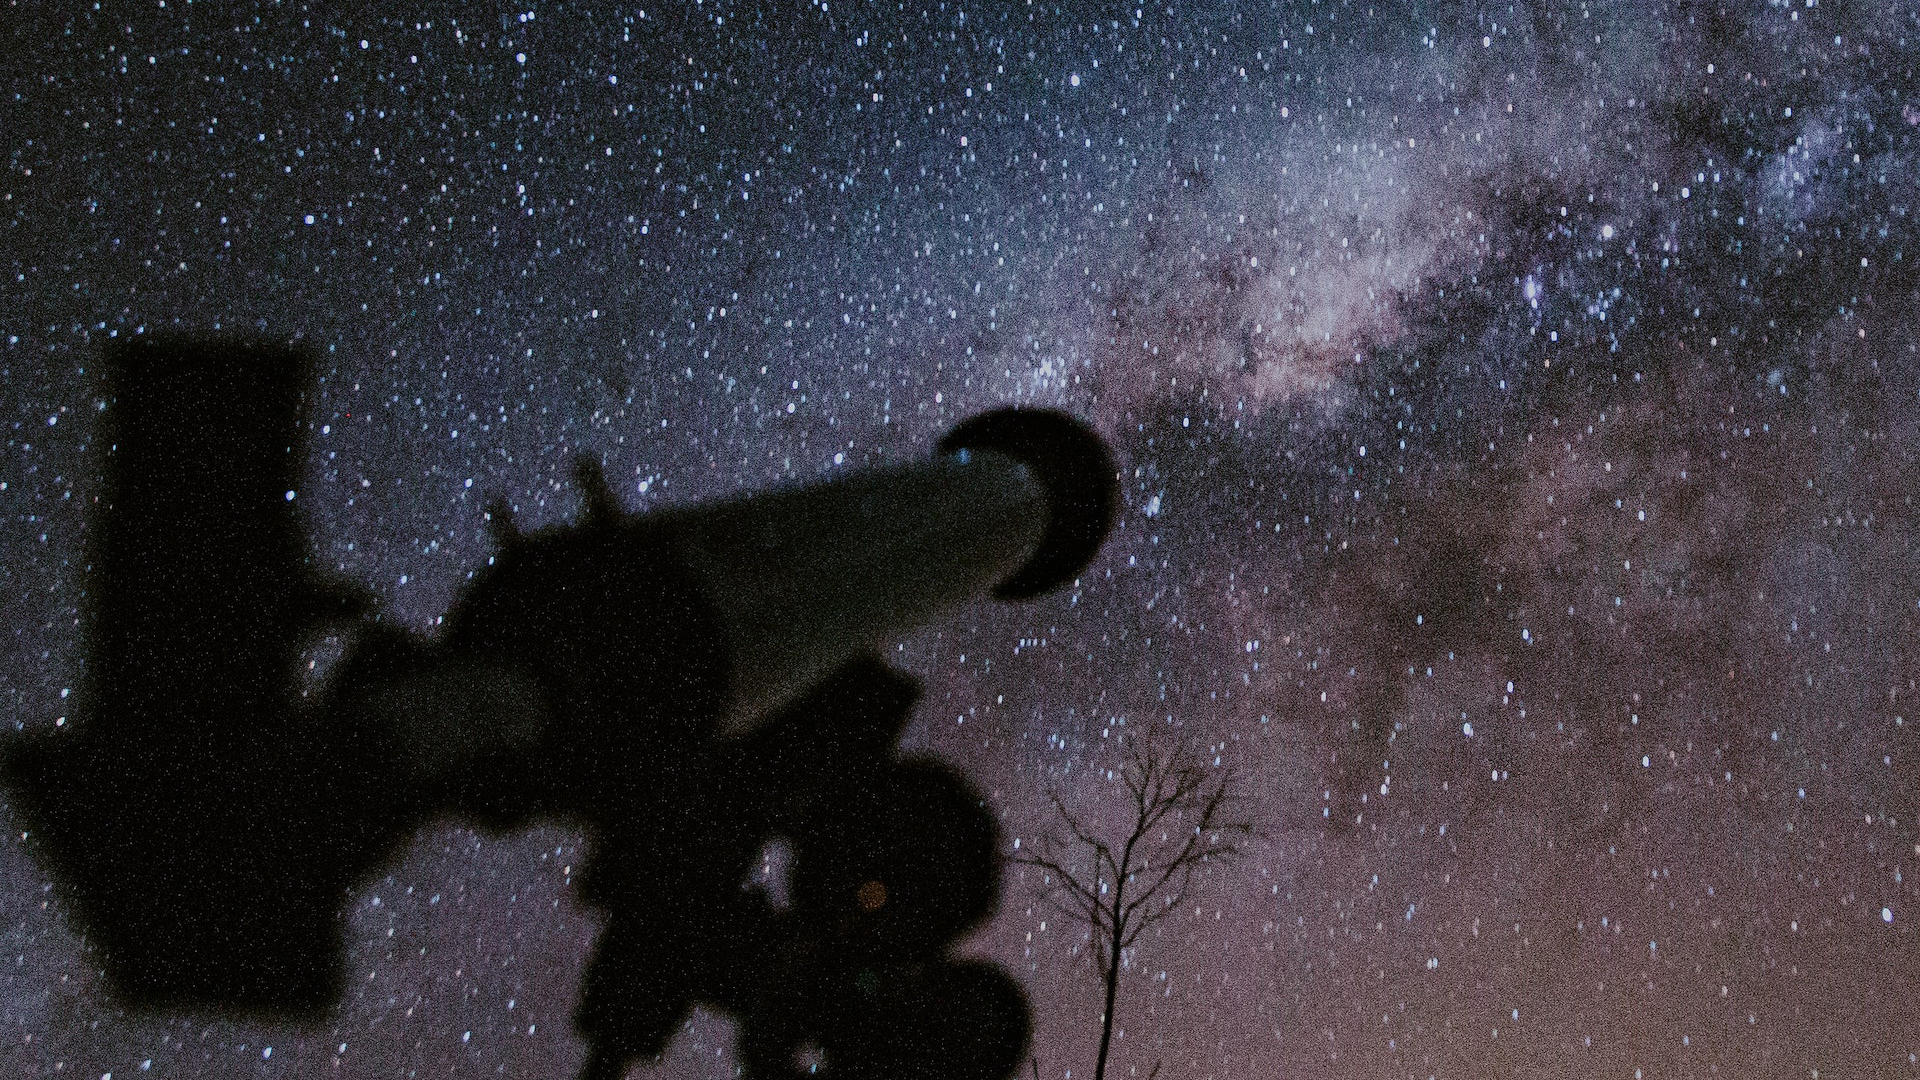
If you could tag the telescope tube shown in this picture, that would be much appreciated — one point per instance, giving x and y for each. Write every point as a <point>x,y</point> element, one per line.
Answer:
<point>1015,502</point>
<point>646,635</point>
<point>802,580</point>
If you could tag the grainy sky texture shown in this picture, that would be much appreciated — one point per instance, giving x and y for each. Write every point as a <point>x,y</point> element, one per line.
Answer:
<point>1518,405</point>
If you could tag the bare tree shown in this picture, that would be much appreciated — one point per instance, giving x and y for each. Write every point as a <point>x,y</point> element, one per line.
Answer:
<point>1178,819</point>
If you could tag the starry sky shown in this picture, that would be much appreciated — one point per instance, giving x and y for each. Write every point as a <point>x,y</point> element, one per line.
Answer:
<point>1518,407</point>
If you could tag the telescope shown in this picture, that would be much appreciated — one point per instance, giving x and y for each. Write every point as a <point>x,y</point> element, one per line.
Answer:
<point>688,684</point>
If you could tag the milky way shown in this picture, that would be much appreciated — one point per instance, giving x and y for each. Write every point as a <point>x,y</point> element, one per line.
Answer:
<point>1517,407</point>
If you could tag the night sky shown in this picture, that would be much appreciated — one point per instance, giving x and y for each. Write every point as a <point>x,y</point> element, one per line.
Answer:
<point>1519,410</point>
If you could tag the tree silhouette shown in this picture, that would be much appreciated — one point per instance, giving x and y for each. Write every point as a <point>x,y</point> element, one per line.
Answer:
<point>1177,820</point>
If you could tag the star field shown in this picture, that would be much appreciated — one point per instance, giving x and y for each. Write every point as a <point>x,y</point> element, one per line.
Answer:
<point>1519,415</point>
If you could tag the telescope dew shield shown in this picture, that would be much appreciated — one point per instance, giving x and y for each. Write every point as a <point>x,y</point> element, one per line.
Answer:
<point>1076,474</point>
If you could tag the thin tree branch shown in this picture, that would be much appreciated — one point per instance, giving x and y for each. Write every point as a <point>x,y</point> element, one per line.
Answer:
<point>1081,833</point>
<point>1192,853</point>
<point>1119,895</point>
<point>1085,903</point>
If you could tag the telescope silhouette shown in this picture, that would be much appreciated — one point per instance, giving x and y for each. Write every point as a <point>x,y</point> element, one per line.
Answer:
<point>688,684</point>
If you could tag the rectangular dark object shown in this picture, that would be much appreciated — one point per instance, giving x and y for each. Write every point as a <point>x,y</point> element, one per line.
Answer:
<point>184,809</point>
